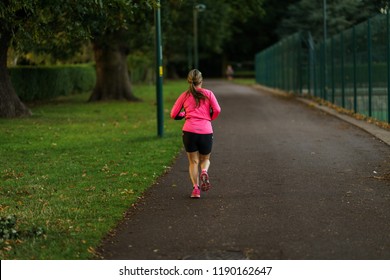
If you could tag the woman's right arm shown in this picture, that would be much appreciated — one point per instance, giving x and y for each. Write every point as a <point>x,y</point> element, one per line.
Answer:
<point>175,111</point>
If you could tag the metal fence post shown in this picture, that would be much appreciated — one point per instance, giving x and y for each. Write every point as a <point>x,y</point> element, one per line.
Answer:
<point>332,68</point>
<point>354,70</point>
<point>300,66</point>
<point>342,71</point>
<point>315,80</point>
<point>388,64</point>
<point>369,68</point>
<point>321,71</point>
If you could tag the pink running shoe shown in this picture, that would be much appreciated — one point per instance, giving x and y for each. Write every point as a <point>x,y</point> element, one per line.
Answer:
<point>205,182</point>
<point>195,193</point>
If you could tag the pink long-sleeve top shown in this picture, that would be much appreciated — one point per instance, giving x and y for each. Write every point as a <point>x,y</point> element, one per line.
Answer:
<point>197,119</point>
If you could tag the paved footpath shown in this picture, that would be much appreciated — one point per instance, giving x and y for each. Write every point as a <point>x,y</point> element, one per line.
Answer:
<point>290,182</point>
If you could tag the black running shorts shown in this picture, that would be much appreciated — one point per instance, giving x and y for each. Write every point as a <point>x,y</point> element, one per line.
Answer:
<point>194,142</point>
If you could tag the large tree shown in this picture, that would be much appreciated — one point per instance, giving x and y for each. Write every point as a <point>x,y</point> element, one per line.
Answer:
<point>114,28</point>
<point>13,17</point>
<point>35,24</point>
<point>60,27</point>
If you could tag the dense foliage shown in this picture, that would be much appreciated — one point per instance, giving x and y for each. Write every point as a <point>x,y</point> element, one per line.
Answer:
<point>308,15</point>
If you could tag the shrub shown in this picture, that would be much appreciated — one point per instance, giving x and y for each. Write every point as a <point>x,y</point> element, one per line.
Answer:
<point>46,82</point>
<point>7,228</point>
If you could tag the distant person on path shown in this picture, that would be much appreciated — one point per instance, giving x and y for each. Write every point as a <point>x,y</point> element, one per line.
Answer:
<point>199,107</point>
<point>229,72</point>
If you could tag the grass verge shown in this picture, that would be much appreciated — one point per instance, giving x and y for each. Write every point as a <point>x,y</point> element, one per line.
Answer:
<point>244,81</point>
<point>68,173</point>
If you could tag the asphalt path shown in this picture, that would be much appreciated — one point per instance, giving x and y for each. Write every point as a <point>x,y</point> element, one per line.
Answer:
<point>289,182</point>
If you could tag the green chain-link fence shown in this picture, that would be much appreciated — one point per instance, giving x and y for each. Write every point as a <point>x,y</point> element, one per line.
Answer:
<point>351,69</point>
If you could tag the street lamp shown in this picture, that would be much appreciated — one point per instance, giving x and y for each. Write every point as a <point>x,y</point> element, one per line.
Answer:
<point>197,8</point>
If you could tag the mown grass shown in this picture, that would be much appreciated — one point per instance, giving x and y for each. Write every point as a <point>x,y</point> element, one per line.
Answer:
<point>72,169</point>
<point>244,81</point>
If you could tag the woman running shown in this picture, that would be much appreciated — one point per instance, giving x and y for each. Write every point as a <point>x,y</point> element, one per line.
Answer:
<point>199,107</point>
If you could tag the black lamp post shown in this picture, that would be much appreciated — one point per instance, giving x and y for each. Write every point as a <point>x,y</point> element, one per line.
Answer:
<point>197,8</point>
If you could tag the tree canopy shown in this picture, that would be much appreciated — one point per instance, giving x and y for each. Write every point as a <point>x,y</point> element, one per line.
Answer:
<point>228,31</point>
<point>308,15</point>
<point>216,26</point>
<point>60,28</point>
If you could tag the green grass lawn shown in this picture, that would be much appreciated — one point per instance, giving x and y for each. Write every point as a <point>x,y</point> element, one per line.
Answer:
<point>69,172</point>
<point>244,81</point>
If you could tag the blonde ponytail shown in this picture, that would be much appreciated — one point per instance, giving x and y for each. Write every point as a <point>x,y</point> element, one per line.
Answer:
<point>194,79</point>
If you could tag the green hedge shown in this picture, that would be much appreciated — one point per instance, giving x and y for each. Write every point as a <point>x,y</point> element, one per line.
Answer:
<point>47,82</point>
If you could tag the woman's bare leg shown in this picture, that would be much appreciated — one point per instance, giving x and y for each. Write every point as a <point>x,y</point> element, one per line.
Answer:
<point>204,161</point>
<point>193,159</point>
<point>204,177</point>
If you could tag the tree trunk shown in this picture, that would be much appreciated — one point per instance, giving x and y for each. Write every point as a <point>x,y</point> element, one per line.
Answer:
<point>10,104</point>
<point>112,77</point>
